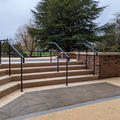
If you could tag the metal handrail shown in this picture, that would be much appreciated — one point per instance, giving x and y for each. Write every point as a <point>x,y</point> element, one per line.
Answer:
<point>88,46</point>
<point>20,55</point>
<point>86,60</point>
<point>64,53</point>
<point>6,40</point>
<point>54,43</point>
<point>16,51</point>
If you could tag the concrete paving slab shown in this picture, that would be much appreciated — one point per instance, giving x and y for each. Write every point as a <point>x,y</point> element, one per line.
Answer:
<point>106,110</point>
<point>39,101</point>
<point>32,60</point>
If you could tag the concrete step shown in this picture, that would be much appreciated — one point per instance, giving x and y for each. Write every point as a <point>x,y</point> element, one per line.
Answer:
<point>42,74</point>
<point>15,85</point>
<point>8,88</point>
<point>30,76</point>
<point>58,80</point>
<point>5,79</point>
<point>37,64</point>
<point>45,69</point>
<point>3,72</point>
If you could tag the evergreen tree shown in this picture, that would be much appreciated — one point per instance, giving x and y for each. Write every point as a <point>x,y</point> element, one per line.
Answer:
<point>109,39</point>
<point>66,21</point>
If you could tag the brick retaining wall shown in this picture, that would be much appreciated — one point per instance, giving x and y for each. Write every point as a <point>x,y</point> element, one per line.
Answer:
<point>107,64</point>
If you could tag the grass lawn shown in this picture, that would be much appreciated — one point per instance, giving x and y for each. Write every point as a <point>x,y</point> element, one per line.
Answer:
<point>40,54</point>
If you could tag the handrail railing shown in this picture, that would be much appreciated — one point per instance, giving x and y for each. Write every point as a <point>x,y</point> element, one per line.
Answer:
<point>65,54</point>
<point>20,55</point>
<point>54,43</point>
<point>16,51</point>
<point>86,46</point>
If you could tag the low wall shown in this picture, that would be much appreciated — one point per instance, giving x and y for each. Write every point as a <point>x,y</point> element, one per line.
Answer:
<point>71,54</point>
<point>107,63</point>
<point>90,61</point>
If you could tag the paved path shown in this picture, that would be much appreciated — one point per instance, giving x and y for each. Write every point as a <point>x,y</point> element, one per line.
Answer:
<point>33,60</point>
<point>39,101</point>
<point>29,60</point>
<point>106,110</point>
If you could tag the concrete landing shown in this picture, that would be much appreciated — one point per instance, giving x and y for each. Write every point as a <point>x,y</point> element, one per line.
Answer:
<point>104,110</point>
<point>39,101</point>
<point>32,60</point>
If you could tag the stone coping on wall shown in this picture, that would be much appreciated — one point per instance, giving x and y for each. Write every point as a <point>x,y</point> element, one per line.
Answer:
<point>100,53</point>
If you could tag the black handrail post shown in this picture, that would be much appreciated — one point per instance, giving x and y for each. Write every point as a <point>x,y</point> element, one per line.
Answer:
<point>78,55</point>
<point>94,64</point>
<point>58,63</point>
<point>23,60</point>
<point>21,74</point>
<point>86,58</point>
<point>67,59</point>
<point>9,61</point>
<point>21,56</point>
<point>0,53</point>
<point>67,72</point>
<point>50,55</point>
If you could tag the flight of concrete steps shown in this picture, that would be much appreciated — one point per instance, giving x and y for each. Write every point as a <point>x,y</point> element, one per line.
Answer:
<point>41,74</point>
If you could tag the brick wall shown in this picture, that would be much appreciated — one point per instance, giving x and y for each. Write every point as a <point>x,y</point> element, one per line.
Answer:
<point>71,54</point>
<point>107,64</point>
<point>90,61</point>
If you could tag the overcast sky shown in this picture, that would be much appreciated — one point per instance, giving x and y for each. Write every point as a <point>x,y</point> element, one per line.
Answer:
<point>15,13</point>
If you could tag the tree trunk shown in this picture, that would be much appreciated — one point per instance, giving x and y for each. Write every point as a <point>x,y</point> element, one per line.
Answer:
<point>31,52</point>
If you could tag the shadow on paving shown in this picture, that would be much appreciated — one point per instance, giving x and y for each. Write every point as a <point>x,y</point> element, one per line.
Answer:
<point>50,99</point>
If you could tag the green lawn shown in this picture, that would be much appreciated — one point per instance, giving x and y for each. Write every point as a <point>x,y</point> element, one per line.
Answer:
<point>38,54</point>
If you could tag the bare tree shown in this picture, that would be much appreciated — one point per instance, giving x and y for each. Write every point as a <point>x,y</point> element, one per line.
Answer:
<point>28,42</point>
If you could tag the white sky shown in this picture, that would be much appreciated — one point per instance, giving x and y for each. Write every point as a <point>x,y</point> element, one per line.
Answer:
<point>15,13</point>
<point>109,13</point>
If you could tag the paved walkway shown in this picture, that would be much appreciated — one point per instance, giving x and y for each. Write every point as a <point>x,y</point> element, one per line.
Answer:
<point>40,101</point>
<point>29,60</point>
<point>105,110</point>
<point>108,110</point>
<point>33,60</point>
